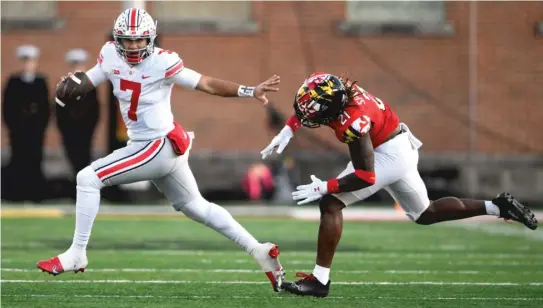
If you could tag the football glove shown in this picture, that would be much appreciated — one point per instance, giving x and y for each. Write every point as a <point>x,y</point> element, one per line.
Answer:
<point>310,192</point>
<point>279,142</point>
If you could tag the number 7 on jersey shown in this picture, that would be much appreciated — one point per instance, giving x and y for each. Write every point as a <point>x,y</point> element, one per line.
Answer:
<point>134,99</point>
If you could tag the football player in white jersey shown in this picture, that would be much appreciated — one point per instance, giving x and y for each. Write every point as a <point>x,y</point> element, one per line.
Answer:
<point>143,76</point>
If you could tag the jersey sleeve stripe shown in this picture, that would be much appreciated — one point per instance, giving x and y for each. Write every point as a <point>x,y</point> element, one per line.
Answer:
<point>169,68</point>
<point>100,59</point>
<point>174,69</point>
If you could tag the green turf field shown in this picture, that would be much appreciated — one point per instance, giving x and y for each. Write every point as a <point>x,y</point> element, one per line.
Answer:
<point>179,263</point>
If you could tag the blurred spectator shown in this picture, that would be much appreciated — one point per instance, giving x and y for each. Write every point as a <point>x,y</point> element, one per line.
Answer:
<point>258,182</point>
<point>77,121</point>
<point>26,114</point>
<point>282,166</point>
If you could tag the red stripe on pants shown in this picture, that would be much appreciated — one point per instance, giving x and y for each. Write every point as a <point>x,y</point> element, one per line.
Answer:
<point>132,161</point>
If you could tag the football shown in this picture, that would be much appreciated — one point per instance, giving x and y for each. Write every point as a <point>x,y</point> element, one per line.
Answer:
<point>67,90</point>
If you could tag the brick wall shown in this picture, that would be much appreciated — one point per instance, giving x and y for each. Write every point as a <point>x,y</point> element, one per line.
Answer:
<point>298,38</point>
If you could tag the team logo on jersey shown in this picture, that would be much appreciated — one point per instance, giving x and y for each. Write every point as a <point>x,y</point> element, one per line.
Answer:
<point>115,72</point>
<point>357,129</point>
<point>364,124</point>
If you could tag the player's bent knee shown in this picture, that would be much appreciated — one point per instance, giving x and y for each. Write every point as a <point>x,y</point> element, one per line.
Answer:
<point>330,204</point>
<point>427,217</point>
<point>206,212</point>
<point>87,179</point>
<point>196,209</point>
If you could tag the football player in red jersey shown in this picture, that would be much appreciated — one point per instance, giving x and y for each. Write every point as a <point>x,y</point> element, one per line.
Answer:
<point>384,155</point>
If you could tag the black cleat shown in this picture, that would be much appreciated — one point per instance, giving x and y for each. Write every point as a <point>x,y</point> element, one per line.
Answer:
<point>308,286</point>
<point>514,210</point>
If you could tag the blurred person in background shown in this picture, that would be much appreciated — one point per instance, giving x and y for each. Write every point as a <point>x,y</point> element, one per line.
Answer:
<point>26,114</point>
<point>77,121</point>
<point>282,167</point>
<point>258,182</point>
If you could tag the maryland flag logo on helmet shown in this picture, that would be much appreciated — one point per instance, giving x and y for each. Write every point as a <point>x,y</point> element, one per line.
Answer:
<point>320,99</point>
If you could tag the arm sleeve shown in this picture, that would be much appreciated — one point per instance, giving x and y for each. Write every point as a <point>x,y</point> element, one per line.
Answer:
<point>186,77</point>
<point>96,75</point>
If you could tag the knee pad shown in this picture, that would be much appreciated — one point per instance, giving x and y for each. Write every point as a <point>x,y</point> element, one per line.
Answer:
<point>88,180</point>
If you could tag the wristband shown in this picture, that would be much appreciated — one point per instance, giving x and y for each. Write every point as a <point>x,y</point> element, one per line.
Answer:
<point>332,186</point>
<point>365,175</point>
<point>245,91</point>
<point>294,123</point>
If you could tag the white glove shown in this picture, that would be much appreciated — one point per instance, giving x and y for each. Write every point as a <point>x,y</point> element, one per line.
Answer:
<point>310,192</point>
<point>278,142</point>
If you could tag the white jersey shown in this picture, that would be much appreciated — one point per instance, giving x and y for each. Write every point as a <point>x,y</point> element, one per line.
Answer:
<point>144,90</point>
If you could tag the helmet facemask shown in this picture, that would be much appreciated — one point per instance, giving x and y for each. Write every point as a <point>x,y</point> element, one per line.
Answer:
<point>137,55</point>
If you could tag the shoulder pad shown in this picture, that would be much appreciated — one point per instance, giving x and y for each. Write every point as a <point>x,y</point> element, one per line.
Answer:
<point>106,52</point>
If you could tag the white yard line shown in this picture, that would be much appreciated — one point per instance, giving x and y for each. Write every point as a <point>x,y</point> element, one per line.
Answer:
<point>467,252</point>
<point>277,297</point>
<point>228,270</point>
<point>398,262</point>
<point>472,252</point>
<point>502,229</point>
<point>372,283</point>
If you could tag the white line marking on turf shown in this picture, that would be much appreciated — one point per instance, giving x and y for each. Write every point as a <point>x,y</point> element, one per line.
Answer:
<point>377,255</point>
<point>501,230</point>
<point>228,270</point>
<point>437,254</point>
<point>374,283</point>
<point>278,297</point>
<point>402,262</point>
<point>148,270</point>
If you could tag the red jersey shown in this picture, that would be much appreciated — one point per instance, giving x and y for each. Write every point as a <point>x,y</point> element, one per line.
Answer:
<point>364,114</point>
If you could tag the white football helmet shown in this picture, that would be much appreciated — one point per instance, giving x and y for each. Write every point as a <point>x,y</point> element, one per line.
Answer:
<point>134,24</point>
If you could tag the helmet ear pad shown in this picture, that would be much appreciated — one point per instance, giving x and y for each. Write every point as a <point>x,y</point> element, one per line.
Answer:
<point>339,100</point>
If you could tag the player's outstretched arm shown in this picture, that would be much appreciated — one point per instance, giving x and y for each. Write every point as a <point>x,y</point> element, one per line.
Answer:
<point>224,88</point>
<point>280,142</point>
<point>361,151</point>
